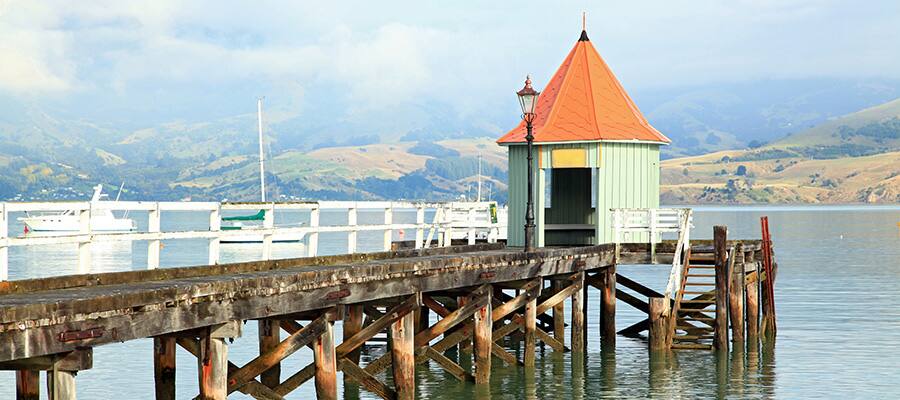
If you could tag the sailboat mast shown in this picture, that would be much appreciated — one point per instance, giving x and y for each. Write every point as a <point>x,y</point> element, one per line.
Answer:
<point>262,162</point>
<point>479,177</point>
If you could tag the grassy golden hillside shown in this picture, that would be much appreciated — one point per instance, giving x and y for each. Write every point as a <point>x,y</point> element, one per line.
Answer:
<point>714,178</point>
<point>851,159</point>
<point>369,171</point>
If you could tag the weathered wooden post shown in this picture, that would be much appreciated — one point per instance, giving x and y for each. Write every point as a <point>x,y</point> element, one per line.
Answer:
<point>752,297</point>
<point>28,384</point>
<point>353,323</point>
<point>465,344</point>
<point>659,324</point>
<point>403,357</point>
<point>61,385</point>
<point>483,341</point>
<point>768,328</point>
<point>269,338</point>
<point>325,362</point>
<point>213,360</point>
<point>422,319</point>
<point>767,325</point>
<point>720,335</point>
<point>559,314</point>
<point>164,367</point>
<point>577,328</point>
<point>736,293</point>
<point>608,306</point>
<point>529,329</point>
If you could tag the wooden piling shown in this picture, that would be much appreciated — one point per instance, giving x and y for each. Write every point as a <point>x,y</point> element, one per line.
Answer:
<point>559,315</point>
<point>736,294</point>
<point>403,357</point>
<point>61,385</point>
<point>659,324</point>
<point>422,319</point>
<point>353,323</point>
<point>269,338</point>
<point>483,342</point>
<point>28,384</point>
<point>768,327</point>
<point>752,297</point>
<point>720,341</point>
<point>577,328</point>
<point>164,367</point>
<point>530,326</point>
<point>608,306</point>
<point>326,367</point>
<point>465,345</point>
<point>213,368</point>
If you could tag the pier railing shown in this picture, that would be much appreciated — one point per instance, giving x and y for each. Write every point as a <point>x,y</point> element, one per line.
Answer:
<point>636,225</point>
<point>450,220</point>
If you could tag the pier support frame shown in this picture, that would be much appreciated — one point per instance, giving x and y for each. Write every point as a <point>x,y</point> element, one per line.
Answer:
<point>720,333</point>
<point>28,384</point>
<point>164,367</point>
<point>608,305</point>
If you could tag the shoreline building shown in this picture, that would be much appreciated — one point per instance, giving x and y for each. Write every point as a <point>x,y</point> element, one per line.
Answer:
<point>593,150</point>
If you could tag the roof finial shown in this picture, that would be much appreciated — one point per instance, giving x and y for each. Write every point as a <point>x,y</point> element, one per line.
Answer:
<point>584,37</point>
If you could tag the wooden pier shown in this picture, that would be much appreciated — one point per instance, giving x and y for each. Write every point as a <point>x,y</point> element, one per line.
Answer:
<point>480,294</point>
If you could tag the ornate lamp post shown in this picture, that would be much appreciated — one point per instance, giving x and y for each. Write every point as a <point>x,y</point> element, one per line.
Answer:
<point>527,99</point>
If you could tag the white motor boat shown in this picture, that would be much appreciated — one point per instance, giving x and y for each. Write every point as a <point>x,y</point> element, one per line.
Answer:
<point>102,220</point>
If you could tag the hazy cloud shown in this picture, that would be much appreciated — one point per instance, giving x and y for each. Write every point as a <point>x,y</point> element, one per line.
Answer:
<point>380,53</point>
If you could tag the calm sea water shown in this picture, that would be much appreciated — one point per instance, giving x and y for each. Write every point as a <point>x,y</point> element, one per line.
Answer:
<point>838,337</point>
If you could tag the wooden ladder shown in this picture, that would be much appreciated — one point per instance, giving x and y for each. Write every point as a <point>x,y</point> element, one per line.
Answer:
<point>695,303</point>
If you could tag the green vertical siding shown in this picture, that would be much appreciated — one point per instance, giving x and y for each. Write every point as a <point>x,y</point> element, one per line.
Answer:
<point>515,236</point>
<point>627,177</point>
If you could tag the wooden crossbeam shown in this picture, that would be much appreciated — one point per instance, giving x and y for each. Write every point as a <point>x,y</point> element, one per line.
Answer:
<point>366,379</point>
<point>474,301</point>
<point>637,287</point>
<point>281,351</point>
<point>633,301</point>
<point>644,324</point>
<point>252,388</point>
<point>531,290</point>
<point>347,347</point>
<point>479,298</point>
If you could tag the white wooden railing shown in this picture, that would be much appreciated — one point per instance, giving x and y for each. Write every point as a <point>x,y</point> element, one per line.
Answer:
<point>452,220</point>
<point>635,225</point>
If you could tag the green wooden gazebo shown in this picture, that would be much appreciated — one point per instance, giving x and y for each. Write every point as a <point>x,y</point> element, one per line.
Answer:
<point>594,151</point>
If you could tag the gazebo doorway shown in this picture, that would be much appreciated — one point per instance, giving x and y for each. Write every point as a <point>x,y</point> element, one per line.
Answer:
<point>570,206</point>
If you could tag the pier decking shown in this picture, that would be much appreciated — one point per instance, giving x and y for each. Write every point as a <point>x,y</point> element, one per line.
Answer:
<point>483,292</point>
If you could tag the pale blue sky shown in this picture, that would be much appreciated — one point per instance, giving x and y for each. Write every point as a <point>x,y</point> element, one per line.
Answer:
<point>378,54</point>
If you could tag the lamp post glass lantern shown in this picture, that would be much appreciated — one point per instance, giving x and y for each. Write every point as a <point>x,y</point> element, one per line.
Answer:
<point>528,99</point>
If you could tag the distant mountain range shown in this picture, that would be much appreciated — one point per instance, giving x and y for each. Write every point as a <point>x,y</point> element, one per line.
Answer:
<point>423,149</point>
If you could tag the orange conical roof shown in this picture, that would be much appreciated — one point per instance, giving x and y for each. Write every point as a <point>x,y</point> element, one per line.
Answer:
<point>585,102</point>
